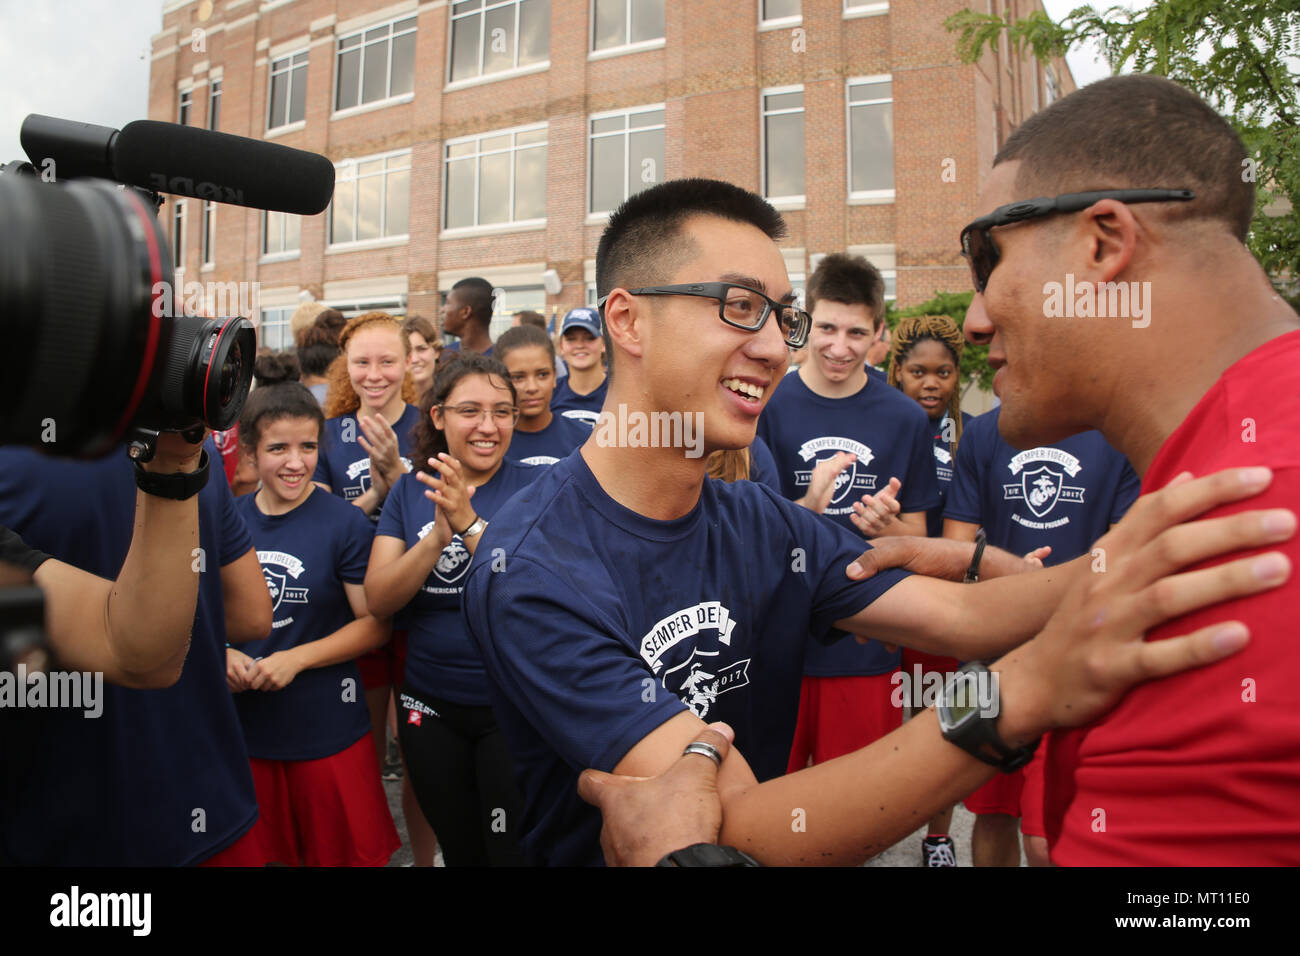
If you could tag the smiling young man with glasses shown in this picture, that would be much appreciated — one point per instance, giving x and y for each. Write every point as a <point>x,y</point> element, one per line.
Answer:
<point>621,599</point>
<point>1151,186</point>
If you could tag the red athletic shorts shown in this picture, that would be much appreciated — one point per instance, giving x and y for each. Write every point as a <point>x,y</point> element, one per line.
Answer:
<point>1018,794</point>
<point>249,850</point>
<point>838,715</point>
<point>930,663</point>
<point>326,812</point>
<point>384,666</point>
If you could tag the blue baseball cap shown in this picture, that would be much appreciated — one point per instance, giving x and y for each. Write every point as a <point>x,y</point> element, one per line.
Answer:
<point>581,318</point>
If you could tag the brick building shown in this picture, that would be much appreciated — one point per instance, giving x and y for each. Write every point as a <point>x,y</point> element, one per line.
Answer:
<point>492,137</point>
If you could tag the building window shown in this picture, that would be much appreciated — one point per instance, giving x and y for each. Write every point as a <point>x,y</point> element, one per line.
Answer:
<point>783,153</point>
<point>494,36</point>
<point>859,8</point>
<point>496,178</point>
<point>779,9</point>
<point>626,155</point>
<point>214,106</point>
<point>512,299</point>
<point>183,113</point>
<point>209,232</point>
<point>1053,92</point>
<point>616,23</point>
<point>178,234</point>
<point>281,233</point>
<point>376,64</point>
<point>273,331</point>
<point>288,90</point>
<point>871,138</point>
<point>371,199</point>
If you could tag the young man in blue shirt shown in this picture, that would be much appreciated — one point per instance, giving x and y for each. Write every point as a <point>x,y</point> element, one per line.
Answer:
<point>621,598</point>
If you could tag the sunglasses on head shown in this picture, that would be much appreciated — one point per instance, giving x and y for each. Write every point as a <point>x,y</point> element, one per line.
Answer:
<point>979,249</point>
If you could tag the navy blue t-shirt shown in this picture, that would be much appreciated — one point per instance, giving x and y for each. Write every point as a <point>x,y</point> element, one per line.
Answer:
<point>455,347</point>
<point>1066,495</point>
<point>597,624</point>
<point>161,778</point>
<point>441,661</point>
<point>582,408</point>
<point>891,436</point>
<point>344,465</point>
<point>943,459</point>
<point>549,445</point>
<point>306,554</point>
<point>762,465</point>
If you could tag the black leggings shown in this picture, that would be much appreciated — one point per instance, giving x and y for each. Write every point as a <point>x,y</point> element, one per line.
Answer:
<point>463,779</point>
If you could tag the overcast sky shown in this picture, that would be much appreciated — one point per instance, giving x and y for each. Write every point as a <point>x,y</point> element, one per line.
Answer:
<point>88,60</point>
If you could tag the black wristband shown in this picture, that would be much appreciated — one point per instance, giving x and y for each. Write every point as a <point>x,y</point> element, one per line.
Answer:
<point>973,572</point>
<point>708,854</point>
<point>177,486</point>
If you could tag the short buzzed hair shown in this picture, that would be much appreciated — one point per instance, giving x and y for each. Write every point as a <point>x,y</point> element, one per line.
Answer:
<point>477,294</point>
<point>851,280</point>
<point>643,243</point>
<point>1136,132</point>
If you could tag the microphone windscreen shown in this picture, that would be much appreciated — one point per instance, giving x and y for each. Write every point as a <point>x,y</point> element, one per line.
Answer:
<point>203,164</point>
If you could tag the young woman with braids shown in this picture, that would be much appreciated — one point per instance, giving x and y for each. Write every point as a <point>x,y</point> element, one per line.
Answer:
<point>456,758</point>
<point>925,364</point>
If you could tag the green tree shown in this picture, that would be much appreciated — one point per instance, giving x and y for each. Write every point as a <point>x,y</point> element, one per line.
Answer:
<point>1232,53</point>
<point>974,358</point>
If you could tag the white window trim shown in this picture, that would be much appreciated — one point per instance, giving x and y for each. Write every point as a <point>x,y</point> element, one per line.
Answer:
<point>465,232</point>
<point>777,23</point>
<point>870,9</point>
<point>490,228</point>
<point>542,67</point>
<point>788,203</point>
<point>639,47</point>
<point>516,70</point>
<point>351,245</point>
<point>375,105</point>
<point>392,98</point>
<point>626,47</point>
<point>286,129</point>
<point>270,68</point>
<point>863,197</point>
<point>604,214</point>
<point>359,245</point>
<point>778,202</point>
<point>279,257</point>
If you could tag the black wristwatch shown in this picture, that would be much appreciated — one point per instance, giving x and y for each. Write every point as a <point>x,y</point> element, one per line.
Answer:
<point>708,854</point>
<point>177,486</point>
<point>968,715</point>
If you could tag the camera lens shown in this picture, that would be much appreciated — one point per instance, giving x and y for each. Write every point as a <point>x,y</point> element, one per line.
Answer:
<point>209,369</point>
<point>79,264</point>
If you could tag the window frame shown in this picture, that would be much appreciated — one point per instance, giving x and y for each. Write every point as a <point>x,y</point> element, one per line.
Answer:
<point>283,254</point>
<point>510,225</point>
<point>794,200</point>
<point>865,196</point>
<point>178,250</point>
<point>184,106</point>
<point>214,104</point>
<point>628,45</point>
<point>852,9</point>
<point>391,99</point>
<point>625,133</point>
<point>288,94</point>
<point>778,23</point>
<point>353,163</point>
<point>452,83</point>
<point>208,238</point>
<point>283,325</point>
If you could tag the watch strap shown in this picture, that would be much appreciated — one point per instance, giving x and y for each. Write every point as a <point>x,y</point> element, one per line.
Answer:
<point>978,736</point>
<point>177,486</point>
<point>708,854</point>
<point>973,572</point>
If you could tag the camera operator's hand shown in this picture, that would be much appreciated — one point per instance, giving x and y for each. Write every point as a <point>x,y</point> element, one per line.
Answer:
<point>238,666</point>
<point>175,454</point>
<point>379,441</point>
<point>274,672</point>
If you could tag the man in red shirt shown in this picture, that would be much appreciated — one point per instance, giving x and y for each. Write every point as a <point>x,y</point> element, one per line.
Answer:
<point>1139,311</point>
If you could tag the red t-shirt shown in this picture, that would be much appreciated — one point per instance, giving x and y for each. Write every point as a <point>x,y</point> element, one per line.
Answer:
<point>1203,768</point>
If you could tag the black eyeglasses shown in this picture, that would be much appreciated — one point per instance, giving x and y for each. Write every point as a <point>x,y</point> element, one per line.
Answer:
<point>740,307</point>
<point>979,249</point>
